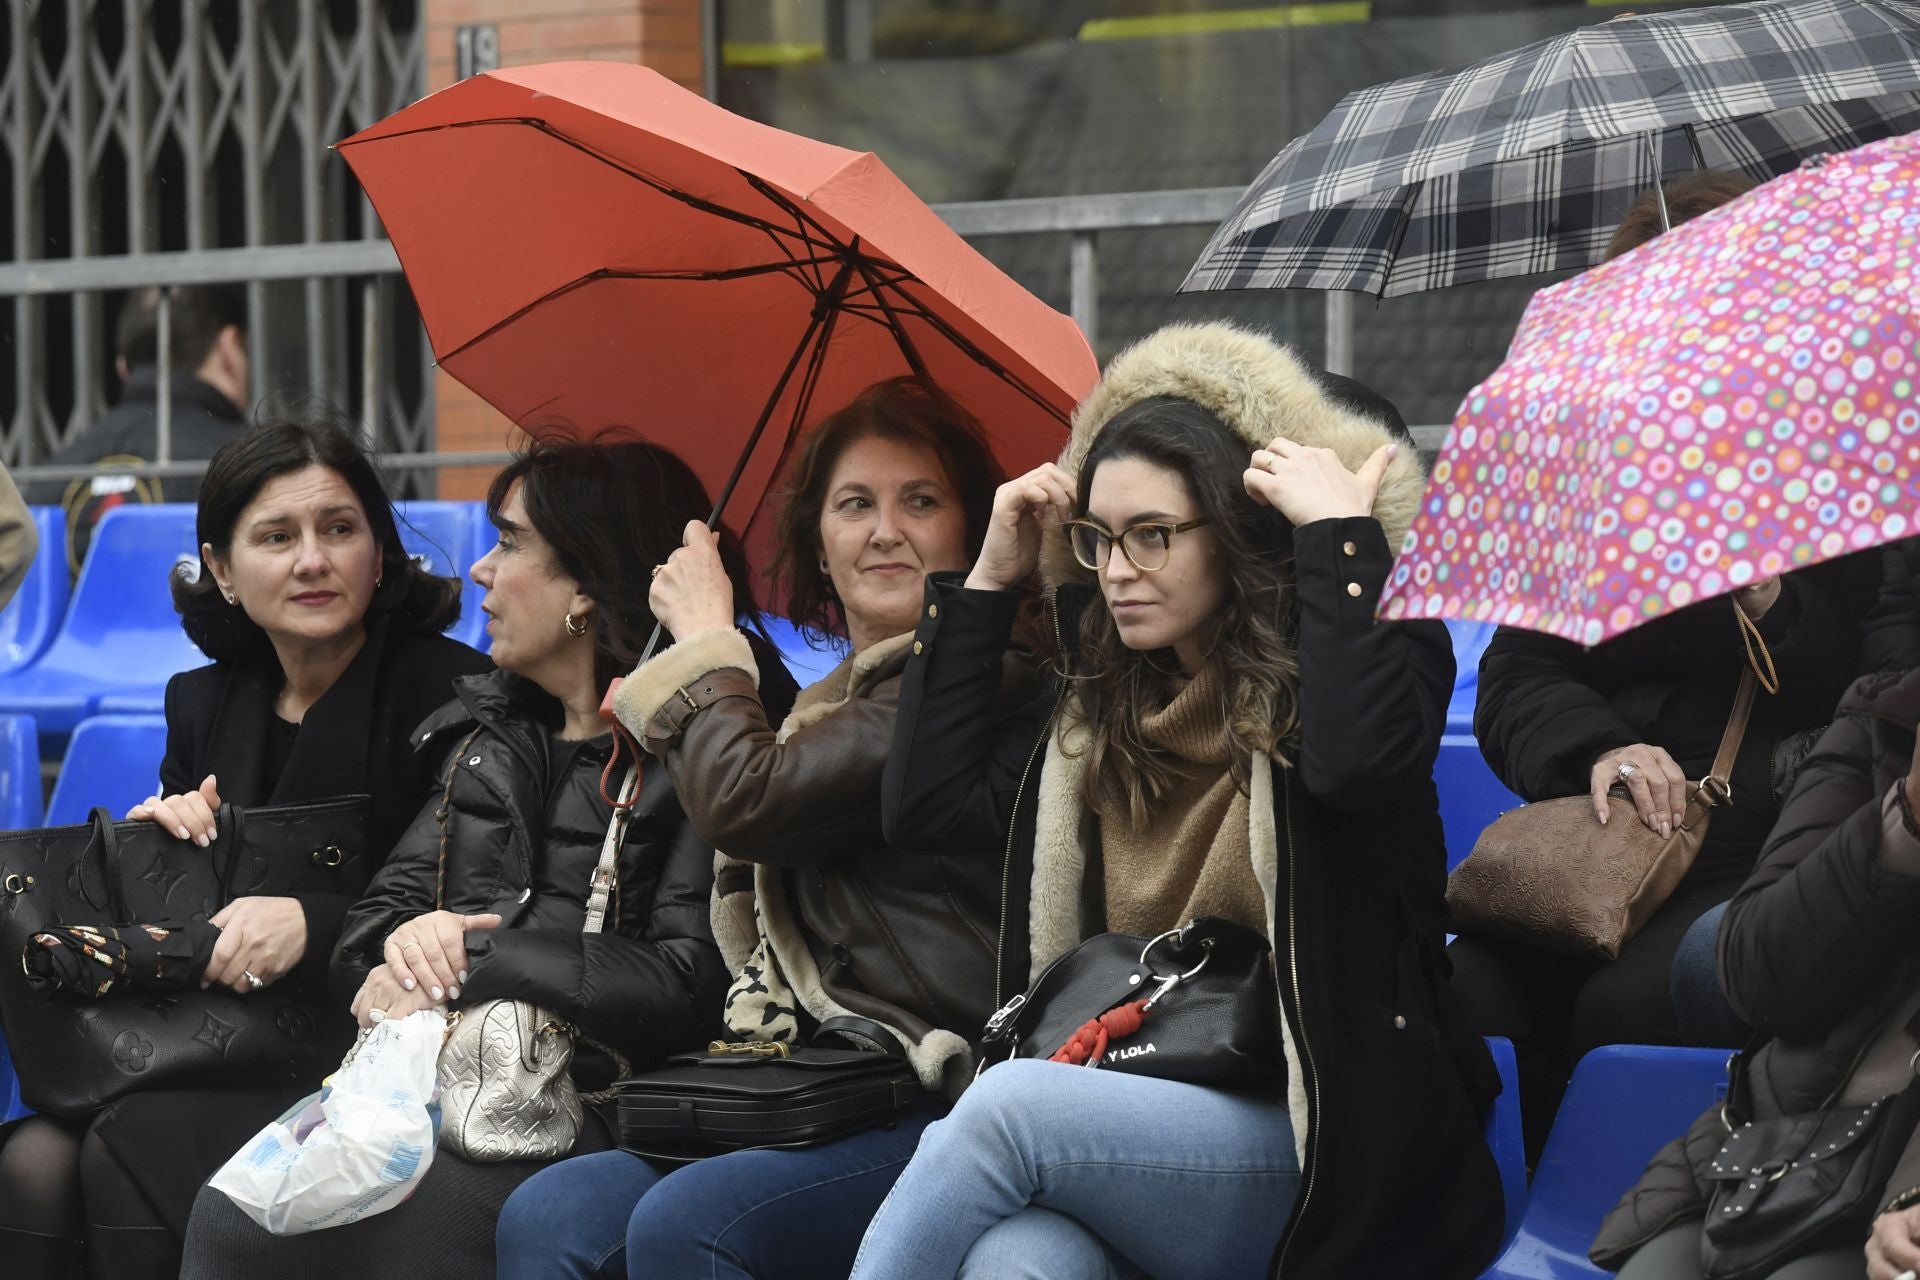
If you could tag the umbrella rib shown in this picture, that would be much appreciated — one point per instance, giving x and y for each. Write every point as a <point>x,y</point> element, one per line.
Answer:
<point>894,326</point>
<point>1399,237</point>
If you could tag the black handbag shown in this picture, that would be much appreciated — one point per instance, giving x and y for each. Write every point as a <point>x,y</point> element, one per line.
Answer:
<point>74,1056</point>
<point>1784,1186</point>
<point>739,1097</point>
<point>1211,1015</point>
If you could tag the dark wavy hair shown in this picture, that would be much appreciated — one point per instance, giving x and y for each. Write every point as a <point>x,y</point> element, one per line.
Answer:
<point>1253,644</point>
<point>905,410</point>
<point>611,507</point>
<point>414,599</point>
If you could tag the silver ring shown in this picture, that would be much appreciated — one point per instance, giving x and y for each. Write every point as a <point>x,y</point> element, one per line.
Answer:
<point>1906,1275</point>
<point>252,981</point>
<point>1626,771</point>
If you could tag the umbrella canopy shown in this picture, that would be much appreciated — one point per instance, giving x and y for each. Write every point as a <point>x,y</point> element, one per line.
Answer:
<point>1732,400</point>
<point>591,244</point>
<point>1525,162</point>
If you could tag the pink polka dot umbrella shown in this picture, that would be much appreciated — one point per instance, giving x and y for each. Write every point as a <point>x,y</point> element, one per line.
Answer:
<point>1732,400</point>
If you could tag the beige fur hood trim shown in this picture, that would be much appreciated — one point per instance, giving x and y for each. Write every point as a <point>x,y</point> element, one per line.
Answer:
<point>1258,388</point>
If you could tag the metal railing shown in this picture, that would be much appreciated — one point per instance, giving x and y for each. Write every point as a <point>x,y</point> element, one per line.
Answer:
<point>1080,218</point>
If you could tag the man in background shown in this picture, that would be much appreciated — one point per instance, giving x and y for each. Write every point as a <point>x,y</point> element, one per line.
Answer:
<point>208,392</point>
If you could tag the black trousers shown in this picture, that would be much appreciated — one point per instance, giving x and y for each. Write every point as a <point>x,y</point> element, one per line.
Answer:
<point>1555,1009</point>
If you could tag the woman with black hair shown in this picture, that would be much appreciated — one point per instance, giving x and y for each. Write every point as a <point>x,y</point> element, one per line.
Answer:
<point>327,652</point>
<point>1233,735</point>
<point>485,894</point>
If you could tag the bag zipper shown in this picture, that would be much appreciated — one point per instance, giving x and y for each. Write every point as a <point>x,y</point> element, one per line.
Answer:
<point>1306,1041</point>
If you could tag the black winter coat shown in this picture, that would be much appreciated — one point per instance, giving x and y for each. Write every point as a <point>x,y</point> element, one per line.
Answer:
<point>1818,948</point>
<point>1547,708</point>
<point>1398,1178</point>
<point>353,741</point>
<point>521,821</point>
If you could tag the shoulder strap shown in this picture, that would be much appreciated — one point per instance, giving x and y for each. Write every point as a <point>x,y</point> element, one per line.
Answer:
<point>605,875</point>
<point>1736,727</point>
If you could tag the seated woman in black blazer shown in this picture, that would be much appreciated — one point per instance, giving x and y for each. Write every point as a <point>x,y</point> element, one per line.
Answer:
<point>327,652</point>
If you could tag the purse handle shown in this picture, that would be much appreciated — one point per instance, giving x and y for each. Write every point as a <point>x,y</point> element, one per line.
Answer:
<point>605,874</point>
<point>1716,788</point>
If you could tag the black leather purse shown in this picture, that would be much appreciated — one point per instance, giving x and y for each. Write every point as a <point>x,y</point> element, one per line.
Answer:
<point>1785,1185</point>
<point>74,1056</point>
<point>1208,1010</point>
<point>738,1097</point>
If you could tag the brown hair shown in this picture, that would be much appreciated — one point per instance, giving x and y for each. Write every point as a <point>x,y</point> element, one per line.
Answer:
<point>1253,643</point>
<point>906,410</point>
<point>1687,198</point>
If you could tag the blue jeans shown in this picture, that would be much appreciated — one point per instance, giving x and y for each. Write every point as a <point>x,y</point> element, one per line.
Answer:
<point>1700,1007</point>
<point>753,1213</point>
<point>1061,1173</point>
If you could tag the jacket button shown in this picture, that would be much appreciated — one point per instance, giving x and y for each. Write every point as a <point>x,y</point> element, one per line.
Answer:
<point>525,894</point>
<point>1353,589</point>
<point>473,761</point>
<point>933,611</point>
<point>1349,548</point>
<point>919,648</point>
<point>1399,1022</point>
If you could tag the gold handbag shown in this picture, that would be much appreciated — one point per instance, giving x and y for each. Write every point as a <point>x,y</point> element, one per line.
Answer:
<point>1549,876</point>
<point>506,1087</point>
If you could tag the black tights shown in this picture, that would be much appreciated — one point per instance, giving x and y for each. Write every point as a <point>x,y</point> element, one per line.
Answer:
<point>60,1185</point>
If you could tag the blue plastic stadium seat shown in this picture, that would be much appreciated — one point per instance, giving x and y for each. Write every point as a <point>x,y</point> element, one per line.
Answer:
<point>112,761</point>
<point>19,775</point>
<point>446,535</point>
<point>28,623</point>
<point>1469,642</point>
<point>121,633</point>
<point>1470,796</point>
<point>806,663</point>
<point>1625,1102</point>
<point>1505,1137</point>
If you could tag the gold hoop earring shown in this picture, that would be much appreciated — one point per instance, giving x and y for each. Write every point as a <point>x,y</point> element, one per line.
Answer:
<point>575,628</point>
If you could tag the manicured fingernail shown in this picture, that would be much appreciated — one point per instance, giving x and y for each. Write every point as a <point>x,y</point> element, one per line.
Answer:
<point>463,975</point>
<point>1393,451</point>
<point>1666,828</point>
<point>181,832</point>
<point>202,841</point>
<point>1603,817</point>
<point>453,993</point>
<point>203,986</point>
<point>438,994</point>
<point>407,983</point>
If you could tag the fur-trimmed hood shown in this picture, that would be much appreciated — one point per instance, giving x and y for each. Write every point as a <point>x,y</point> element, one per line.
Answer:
<point>1258,388</point>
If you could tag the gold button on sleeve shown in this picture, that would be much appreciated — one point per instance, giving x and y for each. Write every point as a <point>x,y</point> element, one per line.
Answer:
<point>933,611</point>
<point>1349,548</point>
<point>918,647</point>
<point>1353,589</point>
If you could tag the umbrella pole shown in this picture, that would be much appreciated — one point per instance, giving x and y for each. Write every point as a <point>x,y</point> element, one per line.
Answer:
<point>824,308</point>
<point>1659,190</point>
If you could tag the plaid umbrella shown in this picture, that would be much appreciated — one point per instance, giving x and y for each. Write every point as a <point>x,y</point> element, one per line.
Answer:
<point>1525,162</point>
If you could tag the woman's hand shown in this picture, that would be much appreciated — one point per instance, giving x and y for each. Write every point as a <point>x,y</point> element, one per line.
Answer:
<point>1755,600</point>
<point>1305,484</point>
<point>691,591</point>
<point>382,993</point>
<point>429,952</point>
<point>1891,1250</point>
<point>262,936</point>
<point>1014,529</point>
<point>1658,786</point>
<point>188,816</point>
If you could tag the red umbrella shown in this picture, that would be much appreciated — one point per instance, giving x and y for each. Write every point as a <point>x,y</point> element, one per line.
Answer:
<point>591,244</point>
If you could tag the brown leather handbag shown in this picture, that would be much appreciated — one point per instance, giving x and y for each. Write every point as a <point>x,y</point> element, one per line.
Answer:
<point>1548,876</point>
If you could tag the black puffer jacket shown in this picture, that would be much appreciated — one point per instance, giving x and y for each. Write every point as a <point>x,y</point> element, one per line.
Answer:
<point>1818,950</point>
<point>521,821</point>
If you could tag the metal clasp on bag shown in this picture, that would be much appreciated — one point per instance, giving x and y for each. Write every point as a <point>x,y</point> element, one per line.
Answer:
<point>16,884</point>
<point>1170,981</point>
<point>748,1049</point>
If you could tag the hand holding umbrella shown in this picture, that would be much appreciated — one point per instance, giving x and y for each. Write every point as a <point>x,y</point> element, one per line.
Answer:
<point>691,591</point>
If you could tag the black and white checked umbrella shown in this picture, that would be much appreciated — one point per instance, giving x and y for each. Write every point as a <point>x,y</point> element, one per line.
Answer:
<point>1525,162</point>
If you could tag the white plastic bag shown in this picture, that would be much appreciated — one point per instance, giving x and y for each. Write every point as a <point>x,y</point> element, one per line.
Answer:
<point>356,1148</point>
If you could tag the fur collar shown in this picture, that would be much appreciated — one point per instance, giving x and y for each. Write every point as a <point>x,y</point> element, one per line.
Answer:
<point>1258,388</point>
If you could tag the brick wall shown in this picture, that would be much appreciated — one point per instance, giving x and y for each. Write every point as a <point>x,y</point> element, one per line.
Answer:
<point>662,34</point>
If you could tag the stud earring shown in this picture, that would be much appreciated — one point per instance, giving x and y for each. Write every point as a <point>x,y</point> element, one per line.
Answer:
<point>229,596</point>
<point>575,627</point>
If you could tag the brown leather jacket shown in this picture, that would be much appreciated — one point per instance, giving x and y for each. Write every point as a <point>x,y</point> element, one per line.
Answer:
<point>904,938</point>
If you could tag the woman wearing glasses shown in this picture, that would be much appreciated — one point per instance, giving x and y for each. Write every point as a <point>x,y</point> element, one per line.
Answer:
<point>1234,736</point>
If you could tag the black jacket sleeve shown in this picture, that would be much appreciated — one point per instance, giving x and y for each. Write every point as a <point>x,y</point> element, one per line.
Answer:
<point>1890,636</point>
<point>1822,913</point>
<point>646,994</point>
<point>186,746</point>
<point>403,888</point>
<point>1539,720</point>
<point>955,770</point>
<point>1373,696</point>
